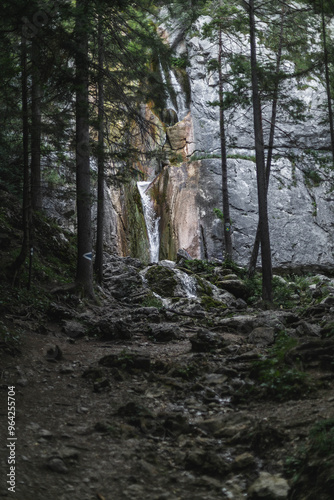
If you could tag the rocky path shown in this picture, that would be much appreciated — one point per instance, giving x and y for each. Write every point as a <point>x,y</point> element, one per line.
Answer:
<point>160,415</point>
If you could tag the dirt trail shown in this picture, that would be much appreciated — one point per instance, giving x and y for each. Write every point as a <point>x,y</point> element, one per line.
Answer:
<point>154,421</point>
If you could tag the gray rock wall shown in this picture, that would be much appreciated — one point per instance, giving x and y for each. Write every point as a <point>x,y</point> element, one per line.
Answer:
<point>301,210</point>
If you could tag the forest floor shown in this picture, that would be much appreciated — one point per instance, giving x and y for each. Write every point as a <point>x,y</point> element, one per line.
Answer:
<point>137,419</point>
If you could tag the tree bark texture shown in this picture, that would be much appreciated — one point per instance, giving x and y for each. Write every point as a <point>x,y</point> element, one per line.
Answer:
<point>36,96</point>
<point>84,276</point>
<point>327,77</point>
<point>226,203</point>
<point>26,205</point>
<point>260,167</point>
<point>256,247</point>
<point>100,160</point>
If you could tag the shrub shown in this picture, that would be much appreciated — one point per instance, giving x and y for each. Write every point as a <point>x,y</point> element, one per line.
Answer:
<point>278,379</point>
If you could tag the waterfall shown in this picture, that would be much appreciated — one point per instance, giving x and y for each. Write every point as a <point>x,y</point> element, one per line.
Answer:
<point>151,220</point>
<point>180,107</point>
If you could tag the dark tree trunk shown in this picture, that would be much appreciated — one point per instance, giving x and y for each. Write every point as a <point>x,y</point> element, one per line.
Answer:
<point>226,204</point>
<point>36,96</point>
<point>84,276</point>
<point>256,247</point>
<point>100,161</point>
<point>327,77</point>
<point>260,167</point>
<point>26,205</point>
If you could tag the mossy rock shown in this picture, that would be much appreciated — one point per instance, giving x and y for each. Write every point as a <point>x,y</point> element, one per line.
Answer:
<point>161,280</point>
<point>204,287</point>
<point>208,302</point>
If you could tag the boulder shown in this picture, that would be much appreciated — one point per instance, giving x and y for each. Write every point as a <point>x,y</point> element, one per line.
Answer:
<point>235,286</point>
<point>269,487</point>
<point>165,332</point>
<point>262,336</point>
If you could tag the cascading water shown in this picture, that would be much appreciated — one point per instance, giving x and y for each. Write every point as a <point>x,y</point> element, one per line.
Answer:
<point>181,108</point>
<point>151,220</point>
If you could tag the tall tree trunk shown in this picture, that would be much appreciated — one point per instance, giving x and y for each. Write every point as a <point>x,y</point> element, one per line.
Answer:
<point>26,206</point>
<point>100,161</point>
<point>328,87</point>
<point>226,204</point>
<point>36,96</point>
<point>84,276</point>
<point>260,167</point>
<point>256,247</point>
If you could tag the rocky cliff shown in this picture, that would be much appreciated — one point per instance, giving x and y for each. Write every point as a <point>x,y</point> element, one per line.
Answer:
<point>189,186</point>
<point>186,184</point>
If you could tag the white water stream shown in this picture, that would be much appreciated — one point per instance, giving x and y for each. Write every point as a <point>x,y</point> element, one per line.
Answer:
<point>151,220</point>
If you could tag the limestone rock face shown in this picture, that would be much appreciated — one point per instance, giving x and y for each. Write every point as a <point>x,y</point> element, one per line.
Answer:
<point>186,185</point>
<point>301,209</point>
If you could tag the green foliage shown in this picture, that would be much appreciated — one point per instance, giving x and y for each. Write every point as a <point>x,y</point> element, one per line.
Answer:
<point>161,280</point>
<point>211,303</point>
<point>9,339</point>
<point>204,156</point>
<point>186,372</point>
<point>254,288</point>
<point>198,266</point>
<point>322,438</point>
<point>14,299</point>
<point>294,464</point>
<point>277,379</point>
<point>152,301</point>
<point>287,292</point>
<point>321,159</point>
<point>312,178</point>
<point>242,157</point>
<point>179,62</point>
<point>219,214</point>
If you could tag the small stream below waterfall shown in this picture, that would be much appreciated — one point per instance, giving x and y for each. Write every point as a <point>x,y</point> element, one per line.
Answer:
<point>151,220</point>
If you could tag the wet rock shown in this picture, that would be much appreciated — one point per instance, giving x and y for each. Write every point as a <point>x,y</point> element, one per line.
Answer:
<point>240,304</point>
<point>221,427</point>
<point>68,454</point>
<point>57,312</point>
<point>176,424</point>
<point>161,280</point>
<point>123,282</point>
<point>235,488</point>
<point>165,332</point>
<point>109,328</point>
<point>237,287</point>
<point>243,461</point>
<point>308,329</point>
<point>149,314</point>
<point>74,329</point>
<point>127,361</point>
<point>182,255</point>
<point>206,341</point>
<point>269,487</point>
<point>93,373</point>
<point>45,434</point>
<point>312,350</point>
<point>328,300</point>
<point>207,462</point>
<point>102,427</point>
<point>66,370</point>
<point>134,409</point>
<point>262,336</point>
<point>101,385</point>
<point>56,464</point>
<point>53,353</point>
<point>215,379</point>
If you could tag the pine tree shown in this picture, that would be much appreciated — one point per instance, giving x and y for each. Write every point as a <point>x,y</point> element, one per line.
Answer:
<point>84,275</point>
<point>260,164</point>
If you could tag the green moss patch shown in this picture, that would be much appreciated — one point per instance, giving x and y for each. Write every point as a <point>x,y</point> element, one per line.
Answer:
<point>161,280</point>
